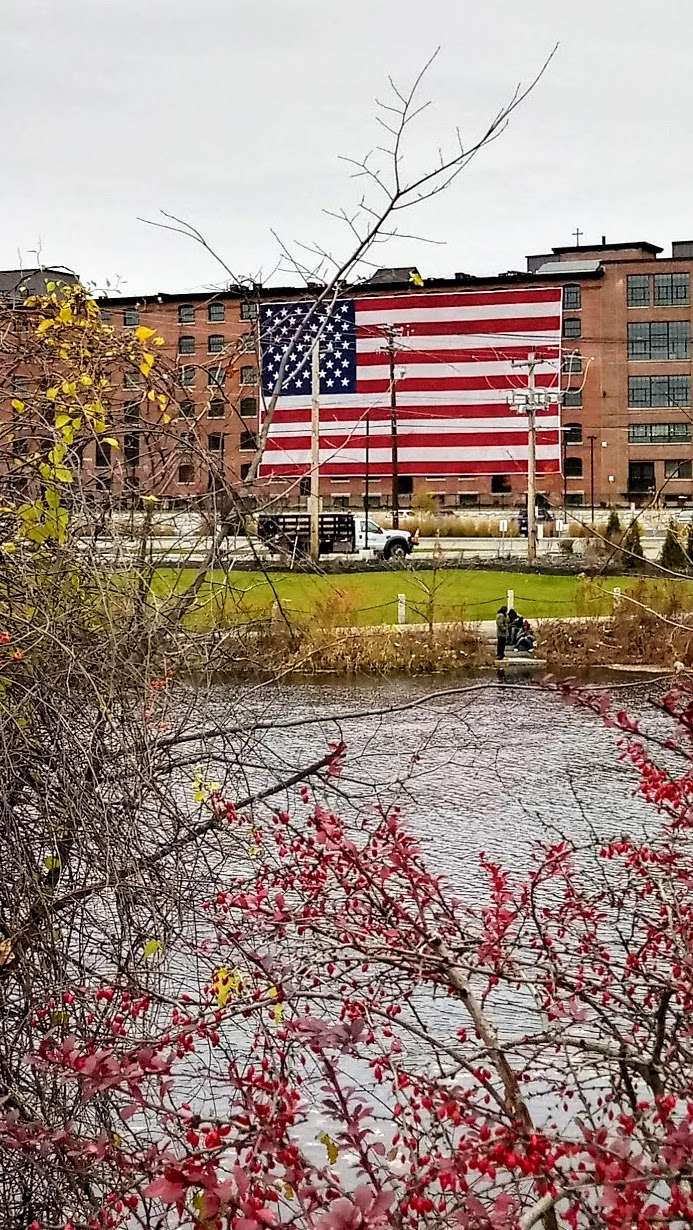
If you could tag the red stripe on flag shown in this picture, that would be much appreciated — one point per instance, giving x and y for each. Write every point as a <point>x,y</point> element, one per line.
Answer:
<point>463,298</point>
<point>414,468</point>
<point>451,384</point>
<point>405,358</point>
<point>430,411</point>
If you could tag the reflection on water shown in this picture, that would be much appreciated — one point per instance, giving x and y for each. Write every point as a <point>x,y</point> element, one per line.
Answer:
<point>493,769</point>
<point>490,770</point>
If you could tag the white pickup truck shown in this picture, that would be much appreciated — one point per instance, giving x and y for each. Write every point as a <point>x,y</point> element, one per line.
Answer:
<point>341,533</point>
<point>391,544</point>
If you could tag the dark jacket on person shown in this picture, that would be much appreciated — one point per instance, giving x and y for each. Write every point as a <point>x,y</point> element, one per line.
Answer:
<point>501,625</point>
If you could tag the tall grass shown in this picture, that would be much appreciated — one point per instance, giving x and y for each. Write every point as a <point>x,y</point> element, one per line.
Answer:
<point>430,526</point>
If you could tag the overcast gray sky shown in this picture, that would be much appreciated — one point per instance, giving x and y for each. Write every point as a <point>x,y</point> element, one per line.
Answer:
<point>232,113</point>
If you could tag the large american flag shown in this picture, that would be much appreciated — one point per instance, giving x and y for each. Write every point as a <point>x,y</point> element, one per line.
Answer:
<point>454,379</point>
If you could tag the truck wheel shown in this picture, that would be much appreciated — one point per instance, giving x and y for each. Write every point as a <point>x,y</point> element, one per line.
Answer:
<point>395,550</point>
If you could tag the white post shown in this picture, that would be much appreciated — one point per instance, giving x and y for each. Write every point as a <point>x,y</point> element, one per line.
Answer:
<point>315,455</point>
<point>401,608</point>
<point>510,600</point>
<point>617,596</point>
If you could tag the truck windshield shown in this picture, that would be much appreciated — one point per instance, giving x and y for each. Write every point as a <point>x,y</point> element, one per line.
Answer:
<point>374,528</point>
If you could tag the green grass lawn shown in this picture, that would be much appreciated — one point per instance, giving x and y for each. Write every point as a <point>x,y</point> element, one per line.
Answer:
<point>350,599</point>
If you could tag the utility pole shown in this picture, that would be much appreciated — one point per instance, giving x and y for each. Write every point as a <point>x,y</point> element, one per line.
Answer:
<point>592,440</point>
<point>393,429</point>
<point>315,454</point>
<point>528,402</point>
<point>367,493</point>
<point>531,464</point>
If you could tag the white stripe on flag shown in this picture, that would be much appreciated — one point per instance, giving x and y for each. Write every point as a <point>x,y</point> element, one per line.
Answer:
<point>432,426</point>
<point>515,452</point>
<point>415,314</point>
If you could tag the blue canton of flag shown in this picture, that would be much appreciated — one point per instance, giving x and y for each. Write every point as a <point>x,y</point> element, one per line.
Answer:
<point>335,325</point>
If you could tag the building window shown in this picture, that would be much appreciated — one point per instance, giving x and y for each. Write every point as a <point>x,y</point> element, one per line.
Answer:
<point>216,312</point>
<point>575,499</point>
<point>658,391</point>
<point>659,339</point>
<point>340,501</point>
<point>215,375</point>
<point>131,317</point>
<point>248,375</point>
<point>500,484</point>
<point>248,442</point>
<point>658,433</point>
<point>248,407</point>
<point>641,476</point>
<point>131,448</point>
<point>572,398</point>
<point>106,316</point>
<point>671,290</point>
<point>217,408</point>
<point>573,433</point>
<point>131,380</point>
<point>186,407</point>
<point>572,326</point>
<point>215,343</point>
<point>103,454</point>
<point>572,298</point>
<point>215,442</point>
<point>573,467</point>
<point>639,290</point>
<point>571,364</point>
<point>186,314</point>
<point>245,470</point>
<point>186,344</point>
<point>186,472</point>
<point>677,469</point>
<point>186,375</point>
<point>304,486</point>
<point>249,311</point>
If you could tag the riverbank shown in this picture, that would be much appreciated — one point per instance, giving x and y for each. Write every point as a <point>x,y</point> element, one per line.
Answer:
<point>645,626</point>
<point>362,599</point>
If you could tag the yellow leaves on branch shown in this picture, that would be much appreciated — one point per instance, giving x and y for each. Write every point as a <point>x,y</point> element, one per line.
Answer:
<point>142,333</point>
<point>225,983</point>
<point>152,948</point>
<point>331,1147</point>
<point>147,363</point>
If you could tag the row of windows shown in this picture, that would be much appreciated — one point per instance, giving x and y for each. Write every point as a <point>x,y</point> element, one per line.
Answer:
<point>659,391</point>
<point>672,468</point>
<point>658,433</point>
<point>659,339</point>
<point>216,312</point>
<point>215,375</point>
<point>218,408</point>
<point>670,290</point>
<point>187,343</point>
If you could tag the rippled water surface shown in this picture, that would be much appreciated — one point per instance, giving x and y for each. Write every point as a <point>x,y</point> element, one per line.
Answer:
<point>492,769</point>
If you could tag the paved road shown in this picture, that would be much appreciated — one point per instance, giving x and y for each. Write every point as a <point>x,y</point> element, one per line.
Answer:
<point>191,550</point>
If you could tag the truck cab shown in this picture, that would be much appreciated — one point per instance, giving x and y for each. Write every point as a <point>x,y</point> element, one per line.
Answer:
<point>390,544</point>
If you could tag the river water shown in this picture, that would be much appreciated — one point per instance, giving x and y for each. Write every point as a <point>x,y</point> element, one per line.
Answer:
<point>491,766</point>
<point>492,769</point>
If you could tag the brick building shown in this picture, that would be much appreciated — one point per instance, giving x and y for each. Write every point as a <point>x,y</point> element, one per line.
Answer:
<point>626,364</point>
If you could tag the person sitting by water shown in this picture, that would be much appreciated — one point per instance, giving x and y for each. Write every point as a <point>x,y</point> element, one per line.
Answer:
<point>524,641</point>
<point>514,625</point>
